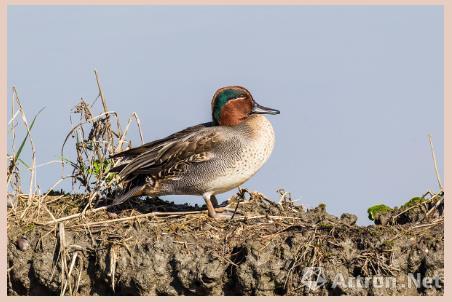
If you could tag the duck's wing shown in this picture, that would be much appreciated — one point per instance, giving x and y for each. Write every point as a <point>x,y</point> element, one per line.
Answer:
<point>167,156</point>
<point>148,146</point>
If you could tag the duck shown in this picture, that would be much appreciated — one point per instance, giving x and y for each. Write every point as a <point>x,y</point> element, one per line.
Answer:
<point>202,160</point>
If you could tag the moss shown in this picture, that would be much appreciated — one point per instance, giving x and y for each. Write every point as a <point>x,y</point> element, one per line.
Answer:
<point>325,225</point>
<point>377,209</point>
<point>413,201</point>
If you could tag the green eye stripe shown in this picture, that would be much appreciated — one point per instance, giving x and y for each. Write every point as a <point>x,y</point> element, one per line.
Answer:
<point>222,99</point>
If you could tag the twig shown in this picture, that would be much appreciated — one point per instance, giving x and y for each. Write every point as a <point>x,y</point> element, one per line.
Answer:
<point>75,215</point>
<point>62,255</point>
<point>122,138</point>
<point>81,124</point>
<point>112,265</point>
<point>166,214</point>
<point>74,258</point>
<point>435,222</point>
<point>104,105</point>
<point>440,200</point>
<point>435,163</point>
<point>77,285</point>
<point>241,194</point>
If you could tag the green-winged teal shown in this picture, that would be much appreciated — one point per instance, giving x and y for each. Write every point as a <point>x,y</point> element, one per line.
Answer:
<point>206,159</point>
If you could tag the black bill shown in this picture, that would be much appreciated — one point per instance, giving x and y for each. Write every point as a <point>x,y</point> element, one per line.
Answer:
<point>259,109</point>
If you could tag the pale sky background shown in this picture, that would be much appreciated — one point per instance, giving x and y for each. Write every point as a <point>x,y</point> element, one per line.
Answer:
<point>359,88</point>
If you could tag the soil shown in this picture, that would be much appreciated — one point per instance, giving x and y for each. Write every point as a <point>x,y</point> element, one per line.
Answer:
<point>265,248</point>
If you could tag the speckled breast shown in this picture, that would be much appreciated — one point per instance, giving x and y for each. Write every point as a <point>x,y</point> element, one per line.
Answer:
<point>256,139</point>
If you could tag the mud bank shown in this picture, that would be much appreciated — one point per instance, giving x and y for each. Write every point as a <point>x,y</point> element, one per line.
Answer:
<point>265,248</point>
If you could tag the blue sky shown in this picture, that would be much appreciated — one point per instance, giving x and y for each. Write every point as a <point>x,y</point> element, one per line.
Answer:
<point>359,88</point>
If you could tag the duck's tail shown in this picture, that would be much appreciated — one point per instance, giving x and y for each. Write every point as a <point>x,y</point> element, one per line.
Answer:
<point>134,192</point>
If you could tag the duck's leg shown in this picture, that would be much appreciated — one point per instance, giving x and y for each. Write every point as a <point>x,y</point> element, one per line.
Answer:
<point>210,209</point>
<point>217,212</point>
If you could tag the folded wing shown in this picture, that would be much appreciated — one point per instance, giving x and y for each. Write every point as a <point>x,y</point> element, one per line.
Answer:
<point>167,157</point>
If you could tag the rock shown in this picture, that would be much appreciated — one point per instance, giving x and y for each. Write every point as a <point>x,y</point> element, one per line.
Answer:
<point>112,215</point>
<point>22,244</point>
<point>349,219</point>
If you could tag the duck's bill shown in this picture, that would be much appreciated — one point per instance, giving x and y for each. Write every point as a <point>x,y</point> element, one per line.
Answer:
<point>259,109</point>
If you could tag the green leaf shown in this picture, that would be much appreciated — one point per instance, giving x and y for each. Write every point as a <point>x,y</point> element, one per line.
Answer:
<point>24,163</point>
<point>19,151</point>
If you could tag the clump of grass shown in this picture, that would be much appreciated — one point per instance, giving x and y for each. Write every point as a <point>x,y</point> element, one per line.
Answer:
<point>96,136</point>
<point>14,156</point>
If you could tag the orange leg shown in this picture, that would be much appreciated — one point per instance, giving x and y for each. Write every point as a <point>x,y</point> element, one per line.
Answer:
<point>210,209</point>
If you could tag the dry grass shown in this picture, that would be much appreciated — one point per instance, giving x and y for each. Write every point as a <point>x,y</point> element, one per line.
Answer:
<point>155,218</point>
<point>96,135</point>
<point>95,139</point>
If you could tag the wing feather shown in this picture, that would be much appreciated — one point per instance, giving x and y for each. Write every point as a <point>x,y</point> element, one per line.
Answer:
<point>169,155</point>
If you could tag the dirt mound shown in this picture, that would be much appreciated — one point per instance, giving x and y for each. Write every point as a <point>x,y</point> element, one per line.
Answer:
<point>153,247</point>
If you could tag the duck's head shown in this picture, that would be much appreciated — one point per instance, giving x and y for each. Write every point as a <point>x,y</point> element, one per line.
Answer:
<point>233,104</point>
